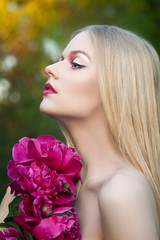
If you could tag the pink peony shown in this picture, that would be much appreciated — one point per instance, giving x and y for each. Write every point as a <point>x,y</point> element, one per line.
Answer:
<point>38,177</point>
<point>34,159</point>
<point>10,234</point>
<point>48,228</point>
<point>44,172</point>
<point>59,227</point>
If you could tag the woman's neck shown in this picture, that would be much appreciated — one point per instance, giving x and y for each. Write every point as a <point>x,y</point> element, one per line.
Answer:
<point>96,145</point>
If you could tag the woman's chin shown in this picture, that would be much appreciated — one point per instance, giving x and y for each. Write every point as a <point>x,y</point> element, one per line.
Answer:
<point>44,109</point>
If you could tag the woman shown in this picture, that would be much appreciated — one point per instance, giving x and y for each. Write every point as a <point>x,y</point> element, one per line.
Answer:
<point>104,92</point>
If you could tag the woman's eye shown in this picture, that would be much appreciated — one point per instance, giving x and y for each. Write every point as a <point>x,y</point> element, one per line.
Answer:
<point>76,65</point>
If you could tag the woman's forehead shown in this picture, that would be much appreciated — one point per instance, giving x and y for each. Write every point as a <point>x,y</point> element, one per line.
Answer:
<point>80,43</point>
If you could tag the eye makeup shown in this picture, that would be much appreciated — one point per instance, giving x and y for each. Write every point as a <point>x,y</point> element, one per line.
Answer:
<point>73,54</point>
<point>76,65</point>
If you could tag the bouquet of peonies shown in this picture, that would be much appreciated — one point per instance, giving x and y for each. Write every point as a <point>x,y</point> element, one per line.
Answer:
<point>44,173</point>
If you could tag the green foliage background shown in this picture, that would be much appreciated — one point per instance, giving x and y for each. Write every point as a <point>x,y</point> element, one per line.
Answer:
<point>24,26</point>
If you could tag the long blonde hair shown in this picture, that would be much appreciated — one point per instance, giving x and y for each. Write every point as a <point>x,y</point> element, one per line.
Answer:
<point>129,80</point>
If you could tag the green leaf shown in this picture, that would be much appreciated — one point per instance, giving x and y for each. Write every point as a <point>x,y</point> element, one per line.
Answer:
<point>13,211</point>
<point>65,213</point>
<point>8,219</point>
<point>4,225</point>
<point>13,207</point>
<point>16,201</point>
<point>66,186</point>
<point>30,237</point>
<point>13,224</point>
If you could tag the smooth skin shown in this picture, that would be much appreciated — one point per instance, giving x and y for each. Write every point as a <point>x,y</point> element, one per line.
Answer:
<point>115,202</point>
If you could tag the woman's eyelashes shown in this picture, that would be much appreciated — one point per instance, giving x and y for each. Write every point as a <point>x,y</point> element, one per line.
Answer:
<point>76,65</point>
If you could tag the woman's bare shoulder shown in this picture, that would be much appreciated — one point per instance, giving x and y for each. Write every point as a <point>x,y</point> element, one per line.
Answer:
<point>125,179</point>
<point>127,206</point>
<point>126,185</point>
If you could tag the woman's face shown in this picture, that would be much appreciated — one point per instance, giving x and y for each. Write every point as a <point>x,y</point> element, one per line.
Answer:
<point>72,89</point>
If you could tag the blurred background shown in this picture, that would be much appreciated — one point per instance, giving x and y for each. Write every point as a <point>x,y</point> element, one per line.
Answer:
<point>32,35</point>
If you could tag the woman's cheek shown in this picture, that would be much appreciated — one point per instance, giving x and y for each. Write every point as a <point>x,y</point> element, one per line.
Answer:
<point>83,83</point>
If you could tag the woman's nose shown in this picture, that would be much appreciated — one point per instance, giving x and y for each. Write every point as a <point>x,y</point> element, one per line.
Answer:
<point>51,71</point>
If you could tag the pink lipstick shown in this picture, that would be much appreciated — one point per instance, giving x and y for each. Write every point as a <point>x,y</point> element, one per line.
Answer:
<point>49,89</point>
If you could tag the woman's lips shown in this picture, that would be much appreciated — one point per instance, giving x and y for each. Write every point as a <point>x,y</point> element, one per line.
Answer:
<point>49,89</point>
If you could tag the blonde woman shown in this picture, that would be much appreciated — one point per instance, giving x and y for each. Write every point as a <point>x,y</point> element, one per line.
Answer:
<point>104,91</point>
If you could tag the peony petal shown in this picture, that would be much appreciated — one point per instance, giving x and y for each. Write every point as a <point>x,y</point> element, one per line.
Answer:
<point>9,234</point>
<point>21,222</point>
<point>46,142</point>
<point>34,149</point>
<point>24,141</point>
<point>46,139</point>
<point>12,232</point>
<point>72,187</point>
<point>27,184</point>
<point>74,176</point>
<point>26,206</point>
<point>14,186</point>
<point>20,151</point>
<point>63,199</point>
<point>67,159</point>
<point>73,166</point>
<point>61,210</point>
<point>48,228</point>
<point>54,158</point>
<point>12,170</point>
<point>31,219</point>
<point>69,224</point>
<point>2,236</point>
<point>76,155</point>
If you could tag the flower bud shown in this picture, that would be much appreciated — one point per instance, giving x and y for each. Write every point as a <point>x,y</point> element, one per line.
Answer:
<point>47,211</point>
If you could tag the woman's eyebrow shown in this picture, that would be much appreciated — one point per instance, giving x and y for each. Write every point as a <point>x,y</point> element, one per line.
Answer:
<point>75,52</point>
